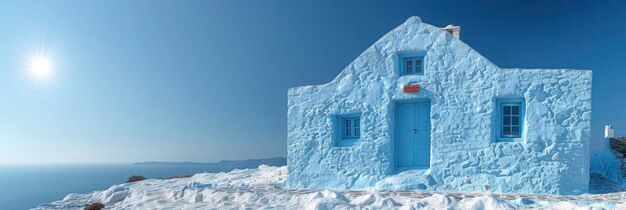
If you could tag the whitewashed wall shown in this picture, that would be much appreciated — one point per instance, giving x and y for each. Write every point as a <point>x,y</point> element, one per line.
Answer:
<point>463,87</point>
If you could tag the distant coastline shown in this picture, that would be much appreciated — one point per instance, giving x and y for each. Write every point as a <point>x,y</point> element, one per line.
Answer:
<point>224,164</point>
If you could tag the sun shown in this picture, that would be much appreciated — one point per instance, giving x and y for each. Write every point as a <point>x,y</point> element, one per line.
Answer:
<point>40,66</point>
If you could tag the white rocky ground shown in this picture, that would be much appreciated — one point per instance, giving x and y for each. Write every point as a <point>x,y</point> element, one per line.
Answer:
<point>262,188</point>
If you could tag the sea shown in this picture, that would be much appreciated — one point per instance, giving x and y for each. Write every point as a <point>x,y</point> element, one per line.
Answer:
<point>26,186</point>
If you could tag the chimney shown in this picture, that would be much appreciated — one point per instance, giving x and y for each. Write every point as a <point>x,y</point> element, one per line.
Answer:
<point>454,30</point>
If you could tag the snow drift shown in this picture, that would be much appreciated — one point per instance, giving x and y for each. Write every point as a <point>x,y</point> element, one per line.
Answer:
<point>262,188</point>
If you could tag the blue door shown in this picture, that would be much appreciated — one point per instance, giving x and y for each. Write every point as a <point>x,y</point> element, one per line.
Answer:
<point>412,138</point>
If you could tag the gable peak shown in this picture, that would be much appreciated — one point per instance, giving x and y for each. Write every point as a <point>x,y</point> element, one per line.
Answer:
<point>414,20</point>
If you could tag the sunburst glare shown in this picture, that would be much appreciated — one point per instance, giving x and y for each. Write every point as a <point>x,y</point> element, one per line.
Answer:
<point>40,65</point>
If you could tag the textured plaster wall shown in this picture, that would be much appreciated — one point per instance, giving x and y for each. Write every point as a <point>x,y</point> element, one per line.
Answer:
<point>463,86</point>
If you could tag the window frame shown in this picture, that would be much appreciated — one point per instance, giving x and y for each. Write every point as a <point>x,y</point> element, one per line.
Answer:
<point>349,132</point>
<point>413,57</point>
<point>342,139</point>
<point>501,103</point>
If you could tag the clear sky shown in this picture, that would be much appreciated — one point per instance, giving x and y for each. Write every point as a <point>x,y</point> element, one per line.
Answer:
<point>208,80</point>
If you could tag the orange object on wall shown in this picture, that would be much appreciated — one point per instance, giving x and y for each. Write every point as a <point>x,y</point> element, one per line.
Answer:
<point>411,88</point>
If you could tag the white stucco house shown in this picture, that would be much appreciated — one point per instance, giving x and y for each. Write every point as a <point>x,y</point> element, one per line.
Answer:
<point>420,109</point>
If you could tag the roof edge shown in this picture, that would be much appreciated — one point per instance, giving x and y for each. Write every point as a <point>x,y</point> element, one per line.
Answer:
<point>535,69</point>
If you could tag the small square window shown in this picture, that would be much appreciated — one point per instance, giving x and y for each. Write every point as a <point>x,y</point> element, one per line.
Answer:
<point>349,129</point>
<point>412,65</point>
<point>352,127</point>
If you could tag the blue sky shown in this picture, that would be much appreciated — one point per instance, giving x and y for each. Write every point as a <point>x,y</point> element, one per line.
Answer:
<point>208,80</point>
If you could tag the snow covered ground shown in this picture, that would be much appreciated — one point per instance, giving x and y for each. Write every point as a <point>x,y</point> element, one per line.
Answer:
<point>262,188</point>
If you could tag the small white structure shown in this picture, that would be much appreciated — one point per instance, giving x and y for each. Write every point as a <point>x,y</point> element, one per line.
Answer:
<point>609,131</point>
<point>607,162</point>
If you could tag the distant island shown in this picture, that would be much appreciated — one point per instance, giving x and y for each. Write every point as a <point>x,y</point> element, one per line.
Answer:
<point>224,165</point>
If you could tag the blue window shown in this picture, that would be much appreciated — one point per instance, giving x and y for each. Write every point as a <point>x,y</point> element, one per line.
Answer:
<point>351,127</point>
<point>412,65</point>
<point>510,119</point>
<point>347,130</point>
